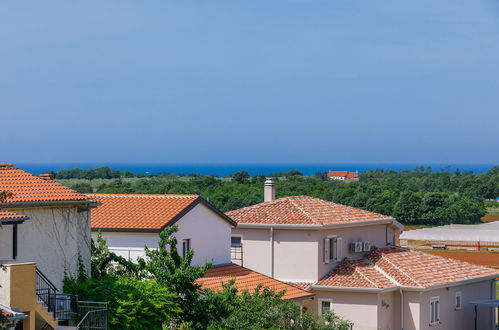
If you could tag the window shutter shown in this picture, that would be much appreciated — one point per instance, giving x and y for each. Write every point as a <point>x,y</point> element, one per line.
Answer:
<point>339,252</point>
<point>327,250</point>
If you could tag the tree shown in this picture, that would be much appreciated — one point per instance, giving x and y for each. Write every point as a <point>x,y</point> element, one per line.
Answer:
<point>240,177</point>
<point>132,303</point>
<point>262,309</point>
<point>173,271</point>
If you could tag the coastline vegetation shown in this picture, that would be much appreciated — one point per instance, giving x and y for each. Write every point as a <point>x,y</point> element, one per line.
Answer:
<point>418,197</point>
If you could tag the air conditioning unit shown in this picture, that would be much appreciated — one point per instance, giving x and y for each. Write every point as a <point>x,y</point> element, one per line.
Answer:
<point>356,247</point>
<point>367,246</point>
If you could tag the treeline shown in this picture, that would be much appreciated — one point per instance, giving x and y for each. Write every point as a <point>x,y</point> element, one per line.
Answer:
<point>413,197</point>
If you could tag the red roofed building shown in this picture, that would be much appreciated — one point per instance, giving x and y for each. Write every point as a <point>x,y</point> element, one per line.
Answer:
<point>44,235</point>
<point>347,257</point>
<point>343,175</point>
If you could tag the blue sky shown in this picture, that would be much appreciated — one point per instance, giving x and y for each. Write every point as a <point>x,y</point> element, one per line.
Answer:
<point>250,81</point>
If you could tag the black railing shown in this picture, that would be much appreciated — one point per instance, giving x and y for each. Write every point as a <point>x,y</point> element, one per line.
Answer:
<point>67,309</point>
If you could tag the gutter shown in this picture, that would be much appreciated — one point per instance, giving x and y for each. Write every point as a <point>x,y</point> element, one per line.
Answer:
<point>390,221</point>
<point>352,289</point>
<point>51,203</point>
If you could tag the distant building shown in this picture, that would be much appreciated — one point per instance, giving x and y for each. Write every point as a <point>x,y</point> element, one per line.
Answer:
<point>343,175</point>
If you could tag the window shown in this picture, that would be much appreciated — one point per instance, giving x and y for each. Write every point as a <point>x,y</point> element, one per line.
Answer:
<point>186,246</point>
<point>332,249</point>
<point>458,300</point>
<point>236,241</point>
<point>434,310</point>
<point>325,305</point>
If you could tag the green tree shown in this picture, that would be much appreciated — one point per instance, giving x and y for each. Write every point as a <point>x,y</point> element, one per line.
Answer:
<point>132,303</point>
<point>240,177</point>
<point>174,271</point>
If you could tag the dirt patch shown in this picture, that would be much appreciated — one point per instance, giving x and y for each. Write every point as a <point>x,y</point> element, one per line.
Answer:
<point>477,258</point>
<point>490,217</point>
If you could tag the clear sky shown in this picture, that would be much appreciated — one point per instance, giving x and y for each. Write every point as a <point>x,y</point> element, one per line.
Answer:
<point>261,81</point>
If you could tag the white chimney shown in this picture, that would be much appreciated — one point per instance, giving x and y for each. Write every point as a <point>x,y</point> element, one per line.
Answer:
<point>269,190</point>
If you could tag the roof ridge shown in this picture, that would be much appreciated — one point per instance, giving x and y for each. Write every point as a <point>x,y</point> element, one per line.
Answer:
<point>303,211</point>
<point>379,269</point>
<point>396,267</point>
<point>360,273</point>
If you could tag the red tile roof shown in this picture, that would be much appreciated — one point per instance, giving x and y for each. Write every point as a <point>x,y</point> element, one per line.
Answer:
<point>394,266</point>
<point>26,187</point>
<point>352,175</point>
<point>300,285</point>
<point>337,173</point>
<point>302,210</point>
<point>246,279</point>
<point>11,216</point>
<point>142,212</point>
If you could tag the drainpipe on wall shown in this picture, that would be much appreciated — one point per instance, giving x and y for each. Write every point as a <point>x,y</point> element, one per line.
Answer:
<point>401,309</point>
<point>493,310</point>
<point>272,252</point>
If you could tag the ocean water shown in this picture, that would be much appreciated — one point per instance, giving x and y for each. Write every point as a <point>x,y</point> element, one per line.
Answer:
<point>227,169</point>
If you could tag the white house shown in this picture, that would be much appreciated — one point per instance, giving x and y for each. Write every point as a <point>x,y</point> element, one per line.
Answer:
<point>44,234</point>
<point>347,257</point>
<point>128,222</point>
<point>57,233</point>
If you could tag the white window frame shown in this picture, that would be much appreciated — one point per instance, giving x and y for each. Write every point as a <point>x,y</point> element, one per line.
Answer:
<point>320,305</point>
<point>460,295</point>
<point>434,311</point>
<point>236,235</point>
<point>189,246</point>
<point>338,255</point>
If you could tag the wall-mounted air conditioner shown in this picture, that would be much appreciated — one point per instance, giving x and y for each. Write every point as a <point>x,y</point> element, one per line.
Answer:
<point>367,246</point>
<point>356,247</point>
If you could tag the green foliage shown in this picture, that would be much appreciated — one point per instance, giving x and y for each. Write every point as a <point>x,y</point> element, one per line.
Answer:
<point>261,309</point>
<point>133,303</point>
<point>417,197</point>
<point>174,271</point>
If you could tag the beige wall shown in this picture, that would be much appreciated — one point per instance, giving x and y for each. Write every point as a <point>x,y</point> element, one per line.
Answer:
<point>374,234</point>
<point>294,253</point>
<point>458,319</point>
<point>303,248</point>
<point>53,238</point>
<point>256,249</point>
<point>208,232</point>
<point>360,308</point>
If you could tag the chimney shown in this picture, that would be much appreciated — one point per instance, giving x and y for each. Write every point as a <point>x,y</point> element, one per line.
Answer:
<point>269,190</point>
<point>47,176</point>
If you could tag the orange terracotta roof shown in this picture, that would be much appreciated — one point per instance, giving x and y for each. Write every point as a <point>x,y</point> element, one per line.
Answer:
<point>142,212</point>
<point>303,210</point>
<point>26,187</point>
<point>300,285</point>
<point>6,216</point>
<point>352,175</point>
<point>394,266</point>
<point>246,279</point>
<point>337,173</point>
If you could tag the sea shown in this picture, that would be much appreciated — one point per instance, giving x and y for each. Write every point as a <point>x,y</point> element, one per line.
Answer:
<point>223,170</point>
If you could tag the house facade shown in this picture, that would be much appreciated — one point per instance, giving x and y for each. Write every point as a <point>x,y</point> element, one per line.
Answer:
<point>343,175</point>
<point>348,259</point>
<point>44,235</point>
<point>128,222</point>
<point>55,233</point>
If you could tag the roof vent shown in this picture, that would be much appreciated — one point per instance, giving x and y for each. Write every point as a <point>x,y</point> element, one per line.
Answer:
<point>47,176</point>
<point>269,190</point>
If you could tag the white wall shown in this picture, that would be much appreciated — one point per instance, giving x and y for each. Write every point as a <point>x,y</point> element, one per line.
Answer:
<point>53,238</point>
<point>208,232</point>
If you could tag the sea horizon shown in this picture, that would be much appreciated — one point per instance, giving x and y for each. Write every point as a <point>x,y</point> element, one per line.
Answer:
<point>253,169</point>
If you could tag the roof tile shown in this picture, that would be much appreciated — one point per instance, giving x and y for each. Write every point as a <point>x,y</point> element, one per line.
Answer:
<point>26,187</point>
<point>246,279</point>
<point>136,211</point>
<point>302,210</point>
